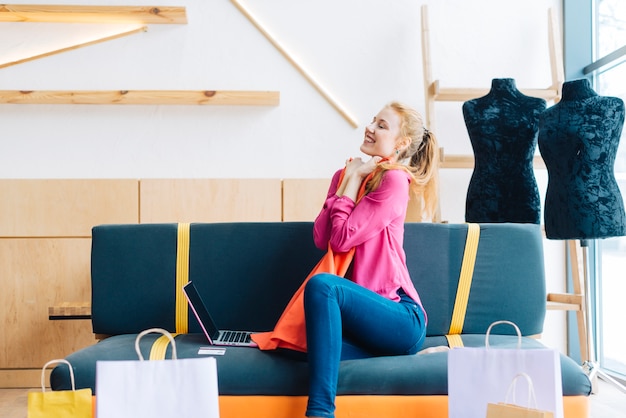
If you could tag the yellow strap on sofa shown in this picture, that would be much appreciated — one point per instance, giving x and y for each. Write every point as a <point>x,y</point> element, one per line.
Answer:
<point>454,340</point>
<point>182,277</point>
<point>159,347</point>
<point>465,283</point>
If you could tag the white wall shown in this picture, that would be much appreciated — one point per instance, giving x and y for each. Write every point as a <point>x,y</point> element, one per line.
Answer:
<point>365,52</point>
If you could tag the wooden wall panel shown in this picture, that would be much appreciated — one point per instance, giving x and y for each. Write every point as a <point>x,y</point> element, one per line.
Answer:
<point>45,242</point>
<point>303,198</point>
<point>64,208</point>
<point>37,273</point>
<point>210,200</point>
<point>414,211</point>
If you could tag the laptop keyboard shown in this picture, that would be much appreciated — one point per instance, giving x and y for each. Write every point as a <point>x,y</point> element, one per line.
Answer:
<point>235,336</point>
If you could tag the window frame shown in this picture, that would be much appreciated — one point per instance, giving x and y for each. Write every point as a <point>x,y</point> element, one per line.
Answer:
<point>581,61</point>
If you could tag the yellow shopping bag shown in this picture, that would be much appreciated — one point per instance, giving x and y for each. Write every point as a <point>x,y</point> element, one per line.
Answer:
<point>62,403</point>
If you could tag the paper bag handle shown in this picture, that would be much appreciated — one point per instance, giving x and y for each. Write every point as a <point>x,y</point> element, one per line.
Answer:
<point>160,331</point>
<point>531,390</point>
<point>519,333</point>
<point>43,372</point>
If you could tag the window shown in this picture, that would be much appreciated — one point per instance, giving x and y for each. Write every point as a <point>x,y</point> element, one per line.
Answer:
<point>609,79</point>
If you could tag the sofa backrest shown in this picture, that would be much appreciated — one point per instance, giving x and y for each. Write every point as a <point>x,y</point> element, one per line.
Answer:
<point>247,272</point>
<point>508,282</point>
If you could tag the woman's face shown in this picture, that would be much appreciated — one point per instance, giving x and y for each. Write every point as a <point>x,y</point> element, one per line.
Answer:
<point>381,136</point>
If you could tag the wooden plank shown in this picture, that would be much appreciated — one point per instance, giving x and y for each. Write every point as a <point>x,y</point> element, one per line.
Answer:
<point>210,200</point>
<point>560,306</point>
<point>141,97</point>
<point>567,299</point>
<point>578,269</point>
<point>37,273</point>
<point>564,302</point>
<point>74,46</point>
<point>452,94</point>
<point>92,14</point>
<point>306,74</point>
<point>556,53</point>
<point>467,161</point>
<point>457,161</point>
<point>65,207</point>
<point>427,71</point>
<point>70,310</point>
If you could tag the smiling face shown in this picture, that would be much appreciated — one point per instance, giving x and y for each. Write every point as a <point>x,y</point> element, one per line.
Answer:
<point>382,136</point>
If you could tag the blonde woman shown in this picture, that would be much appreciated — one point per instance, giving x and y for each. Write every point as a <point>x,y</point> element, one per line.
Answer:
<point>377,311</point>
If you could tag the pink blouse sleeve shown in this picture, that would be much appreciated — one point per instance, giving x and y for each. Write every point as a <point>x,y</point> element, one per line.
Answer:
<point>352,224</point>
<point>322,225</point>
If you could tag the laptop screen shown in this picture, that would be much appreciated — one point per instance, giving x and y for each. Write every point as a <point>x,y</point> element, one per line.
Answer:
<point>201,312</point>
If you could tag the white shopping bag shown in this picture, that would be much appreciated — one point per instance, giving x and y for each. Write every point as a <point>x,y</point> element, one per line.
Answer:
<point>479,376</point>
<point>181,388</point>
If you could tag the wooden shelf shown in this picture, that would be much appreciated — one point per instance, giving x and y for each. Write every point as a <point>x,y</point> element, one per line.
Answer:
<point>69,310</point>
<point>467,161</point>
<point>142,97</point>
<point>74,46</point>
<point>452,94</point>
<point>92,14</point>
<point>565,302</point>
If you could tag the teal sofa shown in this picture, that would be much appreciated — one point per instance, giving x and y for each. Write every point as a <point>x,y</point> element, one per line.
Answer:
<point>247,272</point>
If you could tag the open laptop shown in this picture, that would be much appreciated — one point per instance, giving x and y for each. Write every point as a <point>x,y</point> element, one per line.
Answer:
<point>212,332</point>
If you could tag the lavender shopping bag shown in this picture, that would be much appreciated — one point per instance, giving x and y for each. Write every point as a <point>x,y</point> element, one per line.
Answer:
<point>479,376</point>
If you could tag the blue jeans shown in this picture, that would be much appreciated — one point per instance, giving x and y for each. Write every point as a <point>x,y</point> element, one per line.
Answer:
<point>346,321</point>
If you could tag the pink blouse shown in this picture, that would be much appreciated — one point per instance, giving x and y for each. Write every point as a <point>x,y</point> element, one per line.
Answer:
<point>375,227</point>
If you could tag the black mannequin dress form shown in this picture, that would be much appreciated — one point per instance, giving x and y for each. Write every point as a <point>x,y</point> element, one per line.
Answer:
<point>503,127</point>
<point>578,141</point>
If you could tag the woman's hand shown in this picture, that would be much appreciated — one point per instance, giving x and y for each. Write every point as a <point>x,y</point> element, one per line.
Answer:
<point>356,171</point>
<point>361,169</point>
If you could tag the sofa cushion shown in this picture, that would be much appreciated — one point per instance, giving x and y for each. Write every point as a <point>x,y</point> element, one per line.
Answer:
<point>249,371</point>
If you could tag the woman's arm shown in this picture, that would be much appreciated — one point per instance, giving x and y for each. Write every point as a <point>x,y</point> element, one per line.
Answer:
<point>345,183</point>
<point>322,224</point>
<point>353,224</point>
